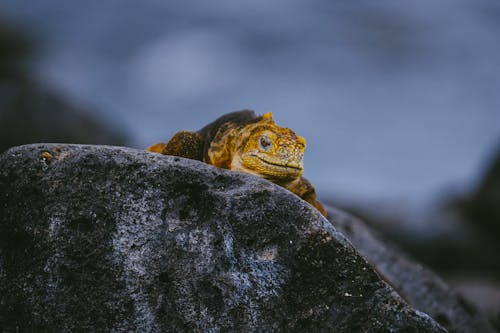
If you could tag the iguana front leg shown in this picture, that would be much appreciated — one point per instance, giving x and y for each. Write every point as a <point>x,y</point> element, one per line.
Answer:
<point>183,144</point>
<point>304,189</point>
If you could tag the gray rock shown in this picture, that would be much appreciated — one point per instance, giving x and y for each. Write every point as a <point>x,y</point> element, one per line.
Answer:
<point>419,286</point>
<point>96,238</point>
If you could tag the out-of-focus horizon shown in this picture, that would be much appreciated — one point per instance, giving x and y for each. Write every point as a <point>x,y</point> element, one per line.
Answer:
<point>398,101</point>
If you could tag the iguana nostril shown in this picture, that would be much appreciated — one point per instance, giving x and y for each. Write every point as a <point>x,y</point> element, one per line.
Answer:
<point>284,152</point>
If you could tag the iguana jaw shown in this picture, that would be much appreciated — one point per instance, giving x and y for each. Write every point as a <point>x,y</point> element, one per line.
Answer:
<point>280,163</point>
<point>268,167</point>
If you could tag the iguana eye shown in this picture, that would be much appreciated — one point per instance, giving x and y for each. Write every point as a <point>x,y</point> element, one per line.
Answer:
<point>265,142</point>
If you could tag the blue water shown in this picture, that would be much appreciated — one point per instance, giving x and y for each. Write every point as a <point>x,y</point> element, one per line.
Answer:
<point>399,101</point>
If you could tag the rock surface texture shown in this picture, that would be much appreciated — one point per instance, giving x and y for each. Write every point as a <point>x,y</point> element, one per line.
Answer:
<point>419,286</point>
<point>96,238</point>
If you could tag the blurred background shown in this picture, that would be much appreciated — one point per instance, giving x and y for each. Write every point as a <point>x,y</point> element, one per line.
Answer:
<point>399,102</point>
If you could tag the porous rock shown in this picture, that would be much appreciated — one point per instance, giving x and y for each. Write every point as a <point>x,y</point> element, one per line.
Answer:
<point>96,238</point>
<point>418,285</point>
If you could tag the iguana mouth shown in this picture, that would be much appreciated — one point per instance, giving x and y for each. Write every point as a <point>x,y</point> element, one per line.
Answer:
<point>280,165</point>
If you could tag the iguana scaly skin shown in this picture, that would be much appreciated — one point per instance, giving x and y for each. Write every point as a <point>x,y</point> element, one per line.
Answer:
<point>242,141</point>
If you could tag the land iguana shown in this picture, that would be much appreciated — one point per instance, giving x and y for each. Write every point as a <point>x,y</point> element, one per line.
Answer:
<point>242,141</point>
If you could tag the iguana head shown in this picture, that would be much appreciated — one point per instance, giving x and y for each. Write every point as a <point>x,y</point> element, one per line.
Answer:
<point>269,151</point>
